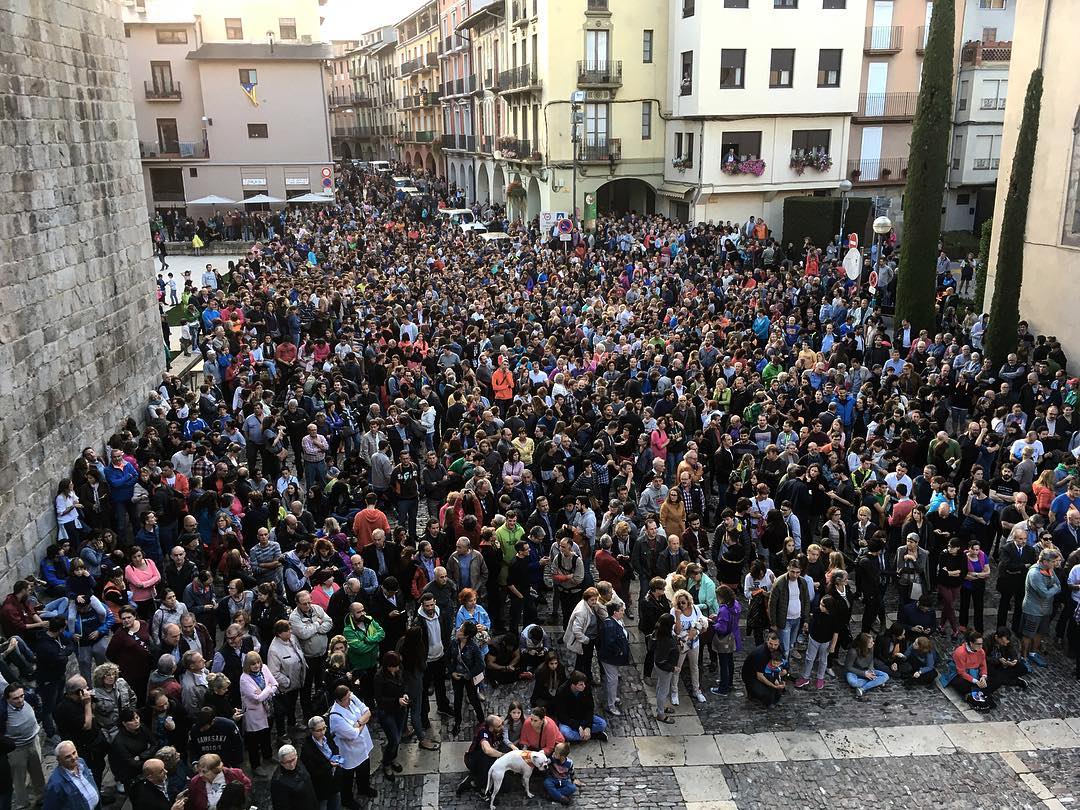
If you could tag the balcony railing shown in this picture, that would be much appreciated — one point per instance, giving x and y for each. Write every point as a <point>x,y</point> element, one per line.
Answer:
<point>515,148</point>
<point>346,132</point>
<point>450,141</point>
<point>884,39</point>
<point>487,144</point>
<point>985,164</point>
<point>598,149</point>
<point>600,73</point>
<point>521,77</point>
<point>878,171</point>
<point>459,87</point>
<point>469,84</point>
<point>162,92</point>
<point>920,42</point>
<point>173,149</point>
<point>428,60</point>
<point>992,104</point>
<point>597,5</point>
<point>424,136</point>
<point>350,100</point>
<point>978,53</point>
<point>371,132</point>
<point>886,105</point>
<point>429,99</point>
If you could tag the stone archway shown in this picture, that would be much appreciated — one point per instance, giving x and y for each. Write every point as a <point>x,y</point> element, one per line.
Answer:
<point>429,164</point>
<point>408,158</point>
<point>498,186</point>
<point>418,160</point>
<point>452,173</point>
<point>346,152</point>
<point>483,185</point>
<point>532,200</point>
<point>626,194</point>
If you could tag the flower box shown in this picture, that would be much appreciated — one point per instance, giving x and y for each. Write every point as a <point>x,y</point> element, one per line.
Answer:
<point>752,165</point>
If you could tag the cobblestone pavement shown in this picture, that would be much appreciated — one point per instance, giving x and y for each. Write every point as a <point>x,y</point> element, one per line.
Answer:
<point>607,788</point>
<point>1058,771</point>
<point>965,781</point>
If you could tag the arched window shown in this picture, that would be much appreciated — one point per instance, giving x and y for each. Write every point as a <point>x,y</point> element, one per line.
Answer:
<point>1070,232</point>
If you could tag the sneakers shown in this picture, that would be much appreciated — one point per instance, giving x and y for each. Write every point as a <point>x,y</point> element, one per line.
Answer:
<point>675,698</point>
<point>601,736</point>
<point>802,683</point>
<point>820,683</point>
<point>859,692</point>
<point>700,698</point>
<point>715,690</point>
<point>1021,683</point>
<point>1037,658</point>
<point>614,712</point>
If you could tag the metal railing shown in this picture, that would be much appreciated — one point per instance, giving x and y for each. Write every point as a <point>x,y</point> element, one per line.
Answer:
<point>515,148</point>
<point>600,149</point>
<point>600,72</point>
<point>985,164</point>
<point>883,39</point>
<point>450,141</point>
<point>487,144</point>
<point>886,105</point>
<point>878,170</point>
<point>162,92</point>
<point>519,77</point>
<point>459,87</point>
<point>346,132</point>
<point>469,84</point>
<point>424,136</point>
<point>429,99</point>
<point>992,104</point>
<point>173,149</point>
<point>977,53</point>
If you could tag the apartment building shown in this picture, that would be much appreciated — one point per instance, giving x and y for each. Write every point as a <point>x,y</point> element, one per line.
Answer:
<point>380,82</point>
<point>340,70</point>
<point>985,47</point>
<point>230,99</point>
<point>1044,37</point>
<point>418,82</point>
<point>756,119</point>
<point>475,115</point>
<point>461,89</point>
<point>362,109</point>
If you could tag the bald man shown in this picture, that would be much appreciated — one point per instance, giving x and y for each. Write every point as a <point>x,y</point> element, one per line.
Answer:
<point>151,790</point>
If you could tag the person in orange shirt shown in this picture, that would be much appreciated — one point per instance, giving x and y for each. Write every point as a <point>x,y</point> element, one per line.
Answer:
<point>368,520</point>
<point>502,382</point>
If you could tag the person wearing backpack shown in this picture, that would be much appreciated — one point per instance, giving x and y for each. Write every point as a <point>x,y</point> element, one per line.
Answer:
<point>19,736</point>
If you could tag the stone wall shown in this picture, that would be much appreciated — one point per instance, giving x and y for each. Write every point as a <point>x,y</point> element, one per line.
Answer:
<point>80,338</point>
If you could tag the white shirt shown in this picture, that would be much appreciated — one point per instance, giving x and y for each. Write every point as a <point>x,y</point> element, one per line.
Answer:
<point>794,603</point>
<point>354,744</point>
<point>1074,579</point>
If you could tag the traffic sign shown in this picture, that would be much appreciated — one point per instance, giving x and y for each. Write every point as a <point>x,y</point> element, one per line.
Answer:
<point>853,240</point>
<point>873,278</point>
<point>327,182</point>
<point>853,263</point>
<point>326,171</point>
<point>566,227</point>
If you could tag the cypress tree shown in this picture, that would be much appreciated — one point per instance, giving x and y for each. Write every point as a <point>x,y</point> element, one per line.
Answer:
<point>1009,272</point>
<point>980,268</point>
<point>927,164</point>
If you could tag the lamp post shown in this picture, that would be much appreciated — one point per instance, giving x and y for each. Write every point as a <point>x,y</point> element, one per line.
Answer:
<point>845,188</point>
<point>882,225</point>
<point>576,120</point>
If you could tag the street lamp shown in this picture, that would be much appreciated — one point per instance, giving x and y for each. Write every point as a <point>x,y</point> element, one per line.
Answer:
<point>270,36</point>
<point>882,225</point>
<point>845,187</point>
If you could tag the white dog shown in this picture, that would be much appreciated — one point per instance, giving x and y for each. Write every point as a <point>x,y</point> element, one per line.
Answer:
<point>520,762</point>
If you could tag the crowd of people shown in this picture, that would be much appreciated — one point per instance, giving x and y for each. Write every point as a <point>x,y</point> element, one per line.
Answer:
<point>418,460</point>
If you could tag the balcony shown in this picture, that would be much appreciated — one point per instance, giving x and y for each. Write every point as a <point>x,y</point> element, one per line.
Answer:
<point>985,164</point>
<point>346,132</point>
<point>424,136</point>
<point>459,87</point>
<point>512,148</point>
<point>487,144</point>
<point>597,6</point>
<point>429,99</point>
<point>600,73</point>
<point>451,141</point>
<point>974,54</point>
<point>883,39</point>
<point>519,79</point>
<point>469,84</point>
<point>349,100</point>
<point>600,149</point>
<point>370,132</point>
<point>173,150</point>
<point>420,63</point>
<point>920,43</point>
<point>156,91</point>
<point>879,171</point>
<point>992,104</point>
<point>885,107</point>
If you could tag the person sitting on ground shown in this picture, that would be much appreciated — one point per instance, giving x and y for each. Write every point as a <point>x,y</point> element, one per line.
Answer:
<point>574,710</point>
<point>920,661</point>
<point>859,670</point>
<point>560,784</point>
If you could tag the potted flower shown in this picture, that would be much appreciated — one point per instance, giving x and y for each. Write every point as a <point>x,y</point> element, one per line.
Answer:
<point>798,162</point>
<point>856,174</point>
<point>536,156</point>
<point>754,166</point>
<point>822,161</point>
<point>886,173</point>
<point>680,163</point>
<point>508,146</point>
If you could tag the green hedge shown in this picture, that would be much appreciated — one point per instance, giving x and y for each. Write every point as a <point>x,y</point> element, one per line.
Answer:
<point>819,218</point>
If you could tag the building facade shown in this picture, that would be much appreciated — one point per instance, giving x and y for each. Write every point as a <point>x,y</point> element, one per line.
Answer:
<point>229,100</point>
<point>756,120</point>
<point>1044,37</point>
<point>341,99</point>
<point>416,57</point>
<point>461,85</point>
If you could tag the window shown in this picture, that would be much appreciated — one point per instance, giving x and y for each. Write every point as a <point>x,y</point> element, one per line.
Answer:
<point>688,155</point>
<point>596,124</point>
<point>127,31</point>
<point>989,35</point>
<point>686,86</point>
<point>168,138</point>
<point>785,4</point>
<point>171,36</point>
<point>994,92</point>
<point>834,3</point>
<point>781,67</point>
<point>234,29</point>
<point>161,77</point>
<point>1070,234</point>
<point>167,185</point>
<point>646,120</point>
<point>732,62</point>
<point>646,45</point>
<point>828,67</point>
<point>810,140</point>
<point>736,3</point>
<point>962,96</point>
<point>678,144</point>
<point>740,145</point>
<point>596,50</point>
<point>249,76</point>
<point>257,131</point>
<point>287,27</point>
<point>688,8</point>
<point>997,5</point>
<point>963,199</point>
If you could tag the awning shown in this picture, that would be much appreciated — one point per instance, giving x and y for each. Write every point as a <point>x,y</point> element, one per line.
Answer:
<point>211,199</point>
<point>262,198</point>
<point>682,194</point>
<point>313,198</point>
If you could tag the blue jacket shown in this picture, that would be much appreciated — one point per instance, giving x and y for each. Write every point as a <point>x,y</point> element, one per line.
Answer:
<point>614,646</point>
<point>121,482</point>
<point>845,409</point>
<point>61,793</point>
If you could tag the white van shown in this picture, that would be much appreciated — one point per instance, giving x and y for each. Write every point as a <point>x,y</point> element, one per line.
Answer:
<point>401,182</point>
<point>463,218</point>
<point>380,166</point>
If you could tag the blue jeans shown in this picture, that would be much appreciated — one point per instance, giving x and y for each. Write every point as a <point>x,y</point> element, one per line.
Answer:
<point>789,634</point>
<point>856,682</point>
<point>559,788</point>
<point>333,803</point>
<point>599,724</point>
<point>406,512</point>
<point>314,473</point>
<point>726,664</point>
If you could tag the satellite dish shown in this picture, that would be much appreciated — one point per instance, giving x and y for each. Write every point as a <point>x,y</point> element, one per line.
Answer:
<point>853,263</point>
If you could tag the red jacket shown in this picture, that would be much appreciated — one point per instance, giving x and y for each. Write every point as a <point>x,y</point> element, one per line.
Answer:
<point>15,615</point>
<point>609,568</point>
<point>197,787</point>
<point>966,659</point>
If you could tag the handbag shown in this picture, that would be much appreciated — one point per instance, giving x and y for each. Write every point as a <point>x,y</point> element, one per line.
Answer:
<point>724,644</point>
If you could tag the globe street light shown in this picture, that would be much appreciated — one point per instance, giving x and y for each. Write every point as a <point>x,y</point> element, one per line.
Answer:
<point>882,225</point>
<point>844,186</point>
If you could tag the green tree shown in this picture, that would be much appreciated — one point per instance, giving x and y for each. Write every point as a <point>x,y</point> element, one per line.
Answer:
<point>927,163</point>
<point>980,268</point>
<point>1009,272</point>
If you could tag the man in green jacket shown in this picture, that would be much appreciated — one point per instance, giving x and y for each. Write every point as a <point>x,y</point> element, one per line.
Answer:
<point>363,634</point>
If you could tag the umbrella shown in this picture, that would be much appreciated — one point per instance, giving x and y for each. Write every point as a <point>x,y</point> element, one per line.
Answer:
<point>211,199</point>
<point>315,198</point>
<point>262,198</point>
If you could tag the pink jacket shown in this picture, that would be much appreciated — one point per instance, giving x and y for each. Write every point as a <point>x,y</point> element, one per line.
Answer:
<point>256,702</point>
<point>142,581</point>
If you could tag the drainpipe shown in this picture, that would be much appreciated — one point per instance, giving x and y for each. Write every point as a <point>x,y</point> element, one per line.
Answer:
<point>700,165</point>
